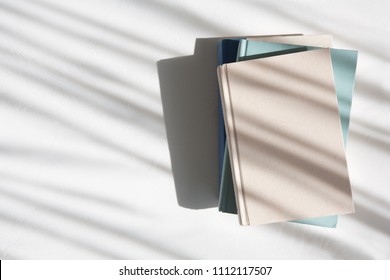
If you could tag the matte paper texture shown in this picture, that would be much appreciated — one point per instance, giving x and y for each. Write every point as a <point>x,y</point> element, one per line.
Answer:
<point>344,67</point>
<point>227,53</point>
<point>272,108</point>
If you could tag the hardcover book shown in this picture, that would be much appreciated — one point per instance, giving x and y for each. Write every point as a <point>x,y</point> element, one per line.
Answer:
<point>344,67</point>
<point>284,165</point>
<point>227,53</point>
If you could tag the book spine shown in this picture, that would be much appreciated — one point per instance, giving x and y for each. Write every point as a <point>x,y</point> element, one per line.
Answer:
<point>222,205</point>
<point>232,143</point>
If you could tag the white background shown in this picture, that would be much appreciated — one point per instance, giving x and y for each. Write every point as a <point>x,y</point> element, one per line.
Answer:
<point>85,166</point>
<point>281,269</point>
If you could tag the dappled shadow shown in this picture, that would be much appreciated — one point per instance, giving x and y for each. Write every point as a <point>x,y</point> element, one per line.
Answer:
<point>189,95</point>
<point>88,67</point>
<point>304,106</point>
<point>94,223</point>
<point>81,131</point>
<point>182,16</point>
<point>372,218</point>
<point>115,49</point>
<point>61,82</point>
<point>8,256</point>
<point>130,37</point>
<point>102,100</point>
<point>59,235</point>
<point>285,13</point>
<point>52,156</point>
<point>72,193</point>
<point>309,236</point>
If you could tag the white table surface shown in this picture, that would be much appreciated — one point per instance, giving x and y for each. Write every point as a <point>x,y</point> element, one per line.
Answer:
<point>86,171</point>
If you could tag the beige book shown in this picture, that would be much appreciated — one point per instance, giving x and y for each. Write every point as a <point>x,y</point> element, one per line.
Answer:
<point>284,137</point>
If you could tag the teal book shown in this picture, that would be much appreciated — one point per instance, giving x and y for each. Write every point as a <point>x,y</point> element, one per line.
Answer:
<point>344,68</point>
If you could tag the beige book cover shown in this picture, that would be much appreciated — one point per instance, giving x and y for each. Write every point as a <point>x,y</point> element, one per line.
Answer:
<point>284,137</point>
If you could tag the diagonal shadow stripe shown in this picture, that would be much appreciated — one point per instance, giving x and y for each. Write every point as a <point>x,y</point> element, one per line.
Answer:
<point>83,132</point>
<point>118,50</point>
<point>92,69</point>
<point>73,193</point>
<point>284,14</point>
<point>91,222</point>
<point>154,121</point>
<point>132,38</point>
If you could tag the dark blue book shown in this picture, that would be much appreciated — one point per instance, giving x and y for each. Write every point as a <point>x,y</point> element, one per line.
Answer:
<point>227,53</point>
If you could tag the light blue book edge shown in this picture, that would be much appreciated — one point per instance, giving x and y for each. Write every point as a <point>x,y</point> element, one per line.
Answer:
<point>344,69</point>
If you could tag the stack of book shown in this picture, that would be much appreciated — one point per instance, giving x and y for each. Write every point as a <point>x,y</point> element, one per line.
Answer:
<point>285,103</point>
